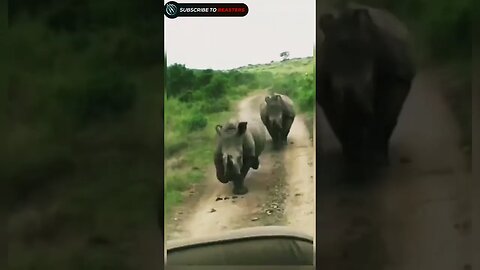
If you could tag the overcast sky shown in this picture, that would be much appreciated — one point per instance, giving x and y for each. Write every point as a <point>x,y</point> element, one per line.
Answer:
<point>269,28</point>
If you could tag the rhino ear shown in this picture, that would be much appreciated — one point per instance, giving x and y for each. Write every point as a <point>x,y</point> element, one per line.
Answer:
<point>362,16</point>
<point>242,127</point>
<point>278,97</point>
<point>267,99</point>
<point>326,22</point>
<point>218,129</point>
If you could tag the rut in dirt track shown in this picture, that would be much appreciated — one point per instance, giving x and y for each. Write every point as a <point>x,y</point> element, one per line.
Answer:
<point>416,216</point>
<point>281,191</point>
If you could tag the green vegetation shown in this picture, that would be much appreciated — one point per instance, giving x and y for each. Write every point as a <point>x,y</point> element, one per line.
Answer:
<point>81,154</point>
<point>198,100</point>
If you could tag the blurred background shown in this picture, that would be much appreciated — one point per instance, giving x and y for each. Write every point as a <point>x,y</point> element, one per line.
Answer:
<point>442,34</point>
<point>417,213</point>
<point>81,155</point>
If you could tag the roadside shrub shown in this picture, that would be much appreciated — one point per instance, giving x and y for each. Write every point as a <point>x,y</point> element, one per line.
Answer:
<point>188,96</point>
<point>217,87</point>
<point>285,83</point>
<point>265,79</point>
<point>306,100</point>
<point>179,80</point>
<point>241,78</point>
<point>214,106</point>
<point>306,95</point>
<point>204,77</point>
<point>195,122</point>
<point>254,84</point>
<point>174,142</point>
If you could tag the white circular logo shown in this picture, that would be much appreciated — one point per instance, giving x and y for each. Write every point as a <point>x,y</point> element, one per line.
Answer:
<point>171,9</point>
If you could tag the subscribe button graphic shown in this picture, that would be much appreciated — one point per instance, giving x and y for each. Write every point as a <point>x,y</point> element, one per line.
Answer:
<point>174,9</point>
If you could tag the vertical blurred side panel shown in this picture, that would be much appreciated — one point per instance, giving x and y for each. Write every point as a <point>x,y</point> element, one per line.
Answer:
<point>396,139</point>
<point>81,159</point>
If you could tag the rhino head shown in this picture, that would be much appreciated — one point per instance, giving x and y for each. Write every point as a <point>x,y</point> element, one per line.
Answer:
<point>231,137</point>
<point>275,108</point>
<point>350,42</point>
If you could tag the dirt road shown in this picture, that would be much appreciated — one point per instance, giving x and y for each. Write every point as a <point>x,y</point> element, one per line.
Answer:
<point>281,191</point>
<point>416,215</point>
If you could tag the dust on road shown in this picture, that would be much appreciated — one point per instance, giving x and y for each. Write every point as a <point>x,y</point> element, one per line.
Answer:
<point>281,191</point>
<point>416,215</point>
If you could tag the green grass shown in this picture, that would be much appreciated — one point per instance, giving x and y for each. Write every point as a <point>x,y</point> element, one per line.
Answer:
<point>188,151</point>
<point>195,153</point>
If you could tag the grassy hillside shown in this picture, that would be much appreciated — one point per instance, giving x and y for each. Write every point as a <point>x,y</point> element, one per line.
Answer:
<point>198,100</point>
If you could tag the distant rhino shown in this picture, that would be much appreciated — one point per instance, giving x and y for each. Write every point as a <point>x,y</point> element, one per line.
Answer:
<point>364,74</point>
<point>239,145</point>
<point>277,114</point>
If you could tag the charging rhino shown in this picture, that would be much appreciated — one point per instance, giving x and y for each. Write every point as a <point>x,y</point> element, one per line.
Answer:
<point>277,114</point>
<point>239,145</point>
<point>364,74</point>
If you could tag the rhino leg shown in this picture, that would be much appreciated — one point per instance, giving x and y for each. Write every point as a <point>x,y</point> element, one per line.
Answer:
<point>239,188</point>
<point>394,105</point>
<point>272,133</point>
<point>276,138</point>
<point>379,142</point>
<point>287,123</point>
<point>278,143</point>
<point>388,111</point>
<point>250,162</point>
<point>220,170</point>
<point>238,183</point>
<point>378,145</point>
<point>284,138</point>
<point>281,139</point>
<point>352,142</point>
<point>255,163</point>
